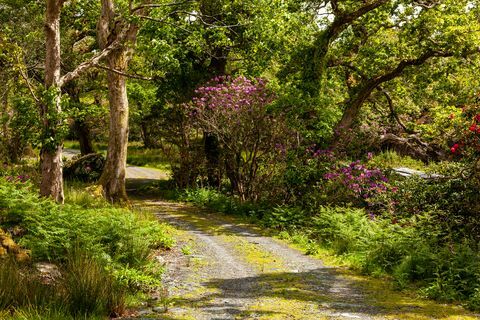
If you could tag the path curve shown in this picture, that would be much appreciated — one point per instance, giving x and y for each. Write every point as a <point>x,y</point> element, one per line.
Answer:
<point>235,272</point>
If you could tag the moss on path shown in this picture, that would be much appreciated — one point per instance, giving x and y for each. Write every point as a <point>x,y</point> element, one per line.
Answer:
<point>232,271</point>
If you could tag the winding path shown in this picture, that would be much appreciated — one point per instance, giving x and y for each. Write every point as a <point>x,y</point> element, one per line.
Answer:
<point>223,268</point>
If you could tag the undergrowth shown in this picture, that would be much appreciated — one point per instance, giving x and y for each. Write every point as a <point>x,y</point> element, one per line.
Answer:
<point>119,243</point>
<point>411,250</point>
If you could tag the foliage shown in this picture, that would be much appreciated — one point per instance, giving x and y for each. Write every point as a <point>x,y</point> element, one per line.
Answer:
<point>111,235</point>
<point>84,289</point>
<point>252,140</point>
<point>86,168</point>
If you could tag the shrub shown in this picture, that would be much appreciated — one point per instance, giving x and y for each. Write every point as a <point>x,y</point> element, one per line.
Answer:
<point>111,234</point>
<point>252,140</point>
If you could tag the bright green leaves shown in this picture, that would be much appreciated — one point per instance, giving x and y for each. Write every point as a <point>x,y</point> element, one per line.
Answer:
<point>54,127</point>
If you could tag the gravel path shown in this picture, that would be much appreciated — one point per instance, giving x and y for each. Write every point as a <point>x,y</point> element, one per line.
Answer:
<point>241,274</point>
<point>223,269</point>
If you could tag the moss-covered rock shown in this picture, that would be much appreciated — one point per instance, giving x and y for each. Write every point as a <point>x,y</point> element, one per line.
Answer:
<point>9,247</point>
<point>85,168</point>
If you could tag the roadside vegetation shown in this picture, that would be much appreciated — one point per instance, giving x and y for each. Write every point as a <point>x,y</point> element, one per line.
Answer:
<point>100,256</point>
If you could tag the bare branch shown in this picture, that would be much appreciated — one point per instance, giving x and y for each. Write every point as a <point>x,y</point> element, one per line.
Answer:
<point>128,75</point>
<point>393,113</point>
<point>94,61</point>
<point>159,5</point>
<point>27,81</point>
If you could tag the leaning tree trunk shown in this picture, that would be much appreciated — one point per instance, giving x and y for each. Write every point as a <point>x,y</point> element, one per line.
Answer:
<point>113,177</point>
<point>51,184</point>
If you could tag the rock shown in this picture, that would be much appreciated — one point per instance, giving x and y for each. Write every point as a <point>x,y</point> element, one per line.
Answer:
<point>144,312</point>
<point>85,168</point>
<point>160,260</point>
<point>159,309</point>
<point>49,269</point>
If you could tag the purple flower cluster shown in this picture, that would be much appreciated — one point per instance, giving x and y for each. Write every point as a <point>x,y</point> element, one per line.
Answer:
<point>229,95</point>
<point>365,183</point>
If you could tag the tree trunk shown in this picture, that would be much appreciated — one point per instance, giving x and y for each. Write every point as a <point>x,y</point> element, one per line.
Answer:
<point>148,141</point>
<point>109,28</point>
<point>80,126</point>
<point>51,184</point>
<point>113,177</point>
<point>82,131</point>
<point>212,153</point>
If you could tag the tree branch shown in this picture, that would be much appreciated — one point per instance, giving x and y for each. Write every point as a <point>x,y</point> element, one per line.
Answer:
<point>94,61</point>
<point>341,22</point>
<point>159,5</point>
<point>27,81</point>
<point>128,75</point>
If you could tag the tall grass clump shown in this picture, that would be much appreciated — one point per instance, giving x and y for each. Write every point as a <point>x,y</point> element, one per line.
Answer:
<point>89,289</point>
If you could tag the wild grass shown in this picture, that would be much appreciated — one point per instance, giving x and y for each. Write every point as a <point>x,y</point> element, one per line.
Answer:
<point>389,159</point>
<point>153,158</point>
<point>119,243</point>
<point>85,288</point>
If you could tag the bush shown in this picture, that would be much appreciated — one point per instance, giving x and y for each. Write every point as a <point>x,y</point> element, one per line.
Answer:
<point>111,234</point>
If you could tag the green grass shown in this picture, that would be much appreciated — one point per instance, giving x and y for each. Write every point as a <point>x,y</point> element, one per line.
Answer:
<point>119,243</point>
<point>390,159</point>
<point>137,155</point>
<point>84,289</point>
<point>152,158</point>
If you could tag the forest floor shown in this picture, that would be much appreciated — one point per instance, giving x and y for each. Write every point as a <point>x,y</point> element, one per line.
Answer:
<point>224,268</point>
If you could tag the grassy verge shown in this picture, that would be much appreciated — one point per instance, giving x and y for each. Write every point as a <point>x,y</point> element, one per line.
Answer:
<point>102,253</point>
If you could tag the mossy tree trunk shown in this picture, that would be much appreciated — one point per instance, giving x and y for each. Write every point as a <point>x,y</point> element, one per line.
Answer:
<point>109,28</point>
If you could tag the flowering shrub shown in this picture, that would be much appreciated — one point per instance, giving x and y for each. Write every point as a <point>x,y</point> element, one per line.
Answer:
<point>364,182</point>
<point>252,140</point>
<point>18,179</point>
<point>468,133</point>
<point>356,183</point>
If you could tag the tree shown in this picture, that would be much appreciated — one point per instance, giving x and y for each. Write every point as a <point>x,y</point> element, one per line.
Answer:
<point>360,47</point>
<point>50,110</point>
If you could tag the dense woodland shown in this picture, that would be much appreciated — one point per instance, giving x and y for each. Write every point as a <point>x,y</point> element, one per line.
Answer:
<point>293,114</point>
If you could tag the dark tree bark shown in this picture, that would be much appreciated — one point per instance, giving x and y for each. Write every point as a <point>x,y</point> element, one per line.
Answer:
<point>84,136</point>
<point>212,153</point>
<point>80,127</point>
